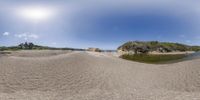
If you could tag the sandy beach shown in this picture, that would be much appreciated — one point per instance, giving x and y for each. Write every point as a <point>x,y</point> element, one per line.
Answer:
<point>67,75</point>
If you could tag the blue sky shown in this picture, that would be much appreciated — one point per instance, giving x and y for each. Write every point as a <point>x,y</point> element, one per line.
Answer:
<point>104,24</point>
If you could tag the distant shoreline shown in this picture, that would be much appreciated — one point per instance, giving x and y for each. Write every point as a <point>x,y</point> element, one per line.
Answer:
<point>160,53</point>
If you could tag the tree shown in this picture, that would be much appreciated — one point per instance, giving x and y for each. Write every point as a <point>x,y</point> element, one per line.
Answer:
<point>26,45</point>
<point>30,45</point>
<point>21,45</point>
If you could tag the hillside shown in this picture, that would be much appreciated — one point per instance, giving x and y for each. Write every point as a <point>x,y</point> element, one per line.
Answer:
<point>150,46</point>
<point>31,46</point>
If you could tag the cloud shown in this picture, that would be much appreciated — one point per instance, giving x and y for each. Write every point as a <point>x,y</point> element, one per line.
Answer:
<point>188,41</point>
<point>54,43</point>
<point>27,36</point>
<point>6,34</point>
<point>34,36</point>
<point>182,36</point>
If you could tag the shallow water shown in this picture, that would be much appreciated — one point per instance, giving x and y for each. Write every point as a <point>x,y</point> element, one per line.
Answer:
<point>193,56</point>
<point>188,57</point>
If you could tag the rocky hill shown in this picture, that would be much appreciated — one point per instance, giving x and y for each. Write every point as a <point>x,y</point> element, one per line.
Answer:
<point>150,46</point>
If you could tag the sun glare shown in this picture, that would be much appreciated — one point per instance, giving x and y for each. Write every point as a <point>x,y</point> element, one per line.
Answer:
<point>36,13</point>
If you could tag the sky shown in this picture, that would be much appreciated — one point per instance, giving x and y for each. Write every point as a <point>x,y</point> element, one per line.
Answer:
<point>105,24</point>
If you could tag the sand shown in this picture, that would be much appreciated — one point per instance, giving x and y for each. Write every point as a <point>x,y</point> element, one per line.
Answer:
<point>64,75</point>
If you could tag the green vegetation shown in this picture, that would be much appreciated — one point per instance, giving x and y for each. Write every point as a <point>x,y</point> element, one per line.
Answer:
<point>149,46</point>
<point>153,59</point>
<point>31,46</point>
<point>5,52</point>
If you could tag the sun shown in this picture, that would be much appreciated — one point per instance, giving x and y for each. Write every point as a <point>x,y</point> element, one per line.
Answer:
<point>36,13</point>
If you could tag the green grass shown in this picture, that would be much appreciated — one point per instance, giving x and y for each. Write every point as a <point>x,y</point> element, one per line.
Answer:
<point>153,59</point>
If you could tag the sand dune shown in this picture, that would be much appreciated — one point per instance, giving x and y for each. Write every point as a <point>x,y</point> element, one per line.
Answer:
<point>61,75</point>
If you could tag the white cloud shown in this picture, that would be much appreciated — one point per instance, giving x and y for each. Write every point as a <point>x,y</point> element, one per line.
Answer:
<point>182,36</point>
<point>54,43</point>
<point>22,35</point>
<point>34,36</point>
<point>27,36</point>
<point>6,34</point>
<point>188,41</point>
